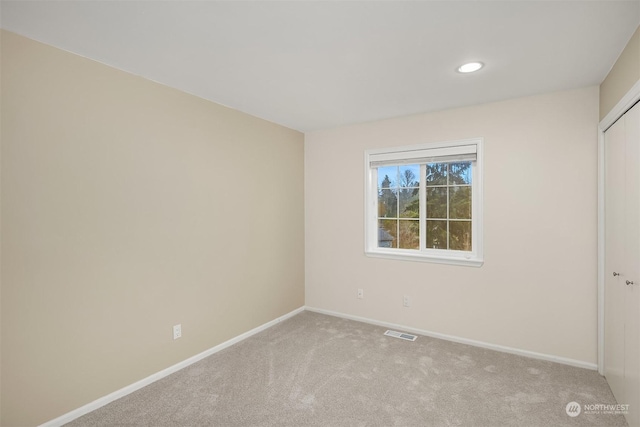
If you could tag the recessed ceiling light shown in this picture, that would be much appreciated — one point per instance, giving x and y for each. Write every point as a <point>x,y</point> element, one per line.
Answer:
<point>470,67</point>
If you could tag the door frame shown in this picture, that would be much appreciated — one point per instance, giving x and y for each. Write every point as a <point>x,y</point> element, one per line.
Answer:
<point>627,101</point>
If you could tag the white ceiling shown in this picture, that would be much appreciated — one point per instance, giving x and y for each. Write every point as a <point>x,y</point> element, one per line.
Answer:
<point>315,65</point>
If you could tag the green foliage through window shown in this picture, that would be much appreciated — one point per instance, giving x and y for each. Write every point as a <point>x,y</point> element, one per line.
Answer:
<point>448,201</point>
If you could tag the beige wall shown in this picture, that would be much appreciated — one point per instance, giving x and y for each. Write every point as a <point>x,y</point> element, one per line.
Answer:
<point>624,74</point>
<point>128,207</point>
<point>537,288</point>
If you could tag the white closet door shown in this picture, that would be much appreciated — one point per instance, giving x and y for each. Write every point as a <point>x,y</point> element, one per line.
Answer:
<point>632,264</point>
<point>614,259</point>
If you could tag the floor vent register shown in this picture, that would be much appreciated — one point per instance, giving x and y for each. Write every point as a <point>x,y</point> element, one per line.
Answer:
<point>401,335</point>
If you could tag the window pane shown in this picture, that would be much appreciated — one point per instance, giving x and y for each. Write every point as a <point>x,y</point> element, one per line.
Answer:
<point>387,231</point>
<point>436,174</point>
<point>425,202</point>
<point>387,177</point>
<point>387,203</point>
<point>409,203</point>
<point>437,202</point>
<point>460,235</point>
<point>460,173</point>
<point>437,234</point>
<point>409,234</point>
<point>409,176</point>
<point>460,202</point>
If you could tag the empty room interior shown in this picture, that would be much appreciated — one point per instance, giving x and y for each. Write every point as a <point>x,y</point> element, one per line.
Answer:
<point>273,213</point>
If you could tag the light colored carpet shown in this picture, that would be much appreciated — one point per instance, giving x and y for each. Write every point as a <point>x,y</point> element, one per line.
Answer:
<point>318,370</point>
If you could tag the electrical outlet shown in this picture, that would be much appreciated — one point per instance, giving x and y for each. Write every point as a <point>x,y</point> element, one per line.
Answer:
<point>177,331</point>
<point>406,301</point>
<point>360,293</point>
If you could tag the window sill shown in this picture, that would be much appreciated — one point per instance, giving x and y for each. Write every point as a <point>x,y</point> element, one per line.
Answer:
<point>420,257</point>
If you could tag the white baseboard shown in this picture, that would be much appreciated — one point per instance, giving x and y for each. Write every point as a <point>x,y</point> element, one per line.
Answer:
<point>76,413</point>
<point>92,406</point>
<point>496,347</point>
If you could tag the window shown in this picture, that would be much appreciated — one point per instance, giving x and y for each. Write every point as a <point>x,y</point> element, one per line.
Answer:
<point>424,202</point>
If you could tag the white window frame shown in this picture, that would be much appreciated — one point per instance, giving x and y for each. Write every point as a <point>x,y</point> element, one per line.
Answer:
<point>414,154</point>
